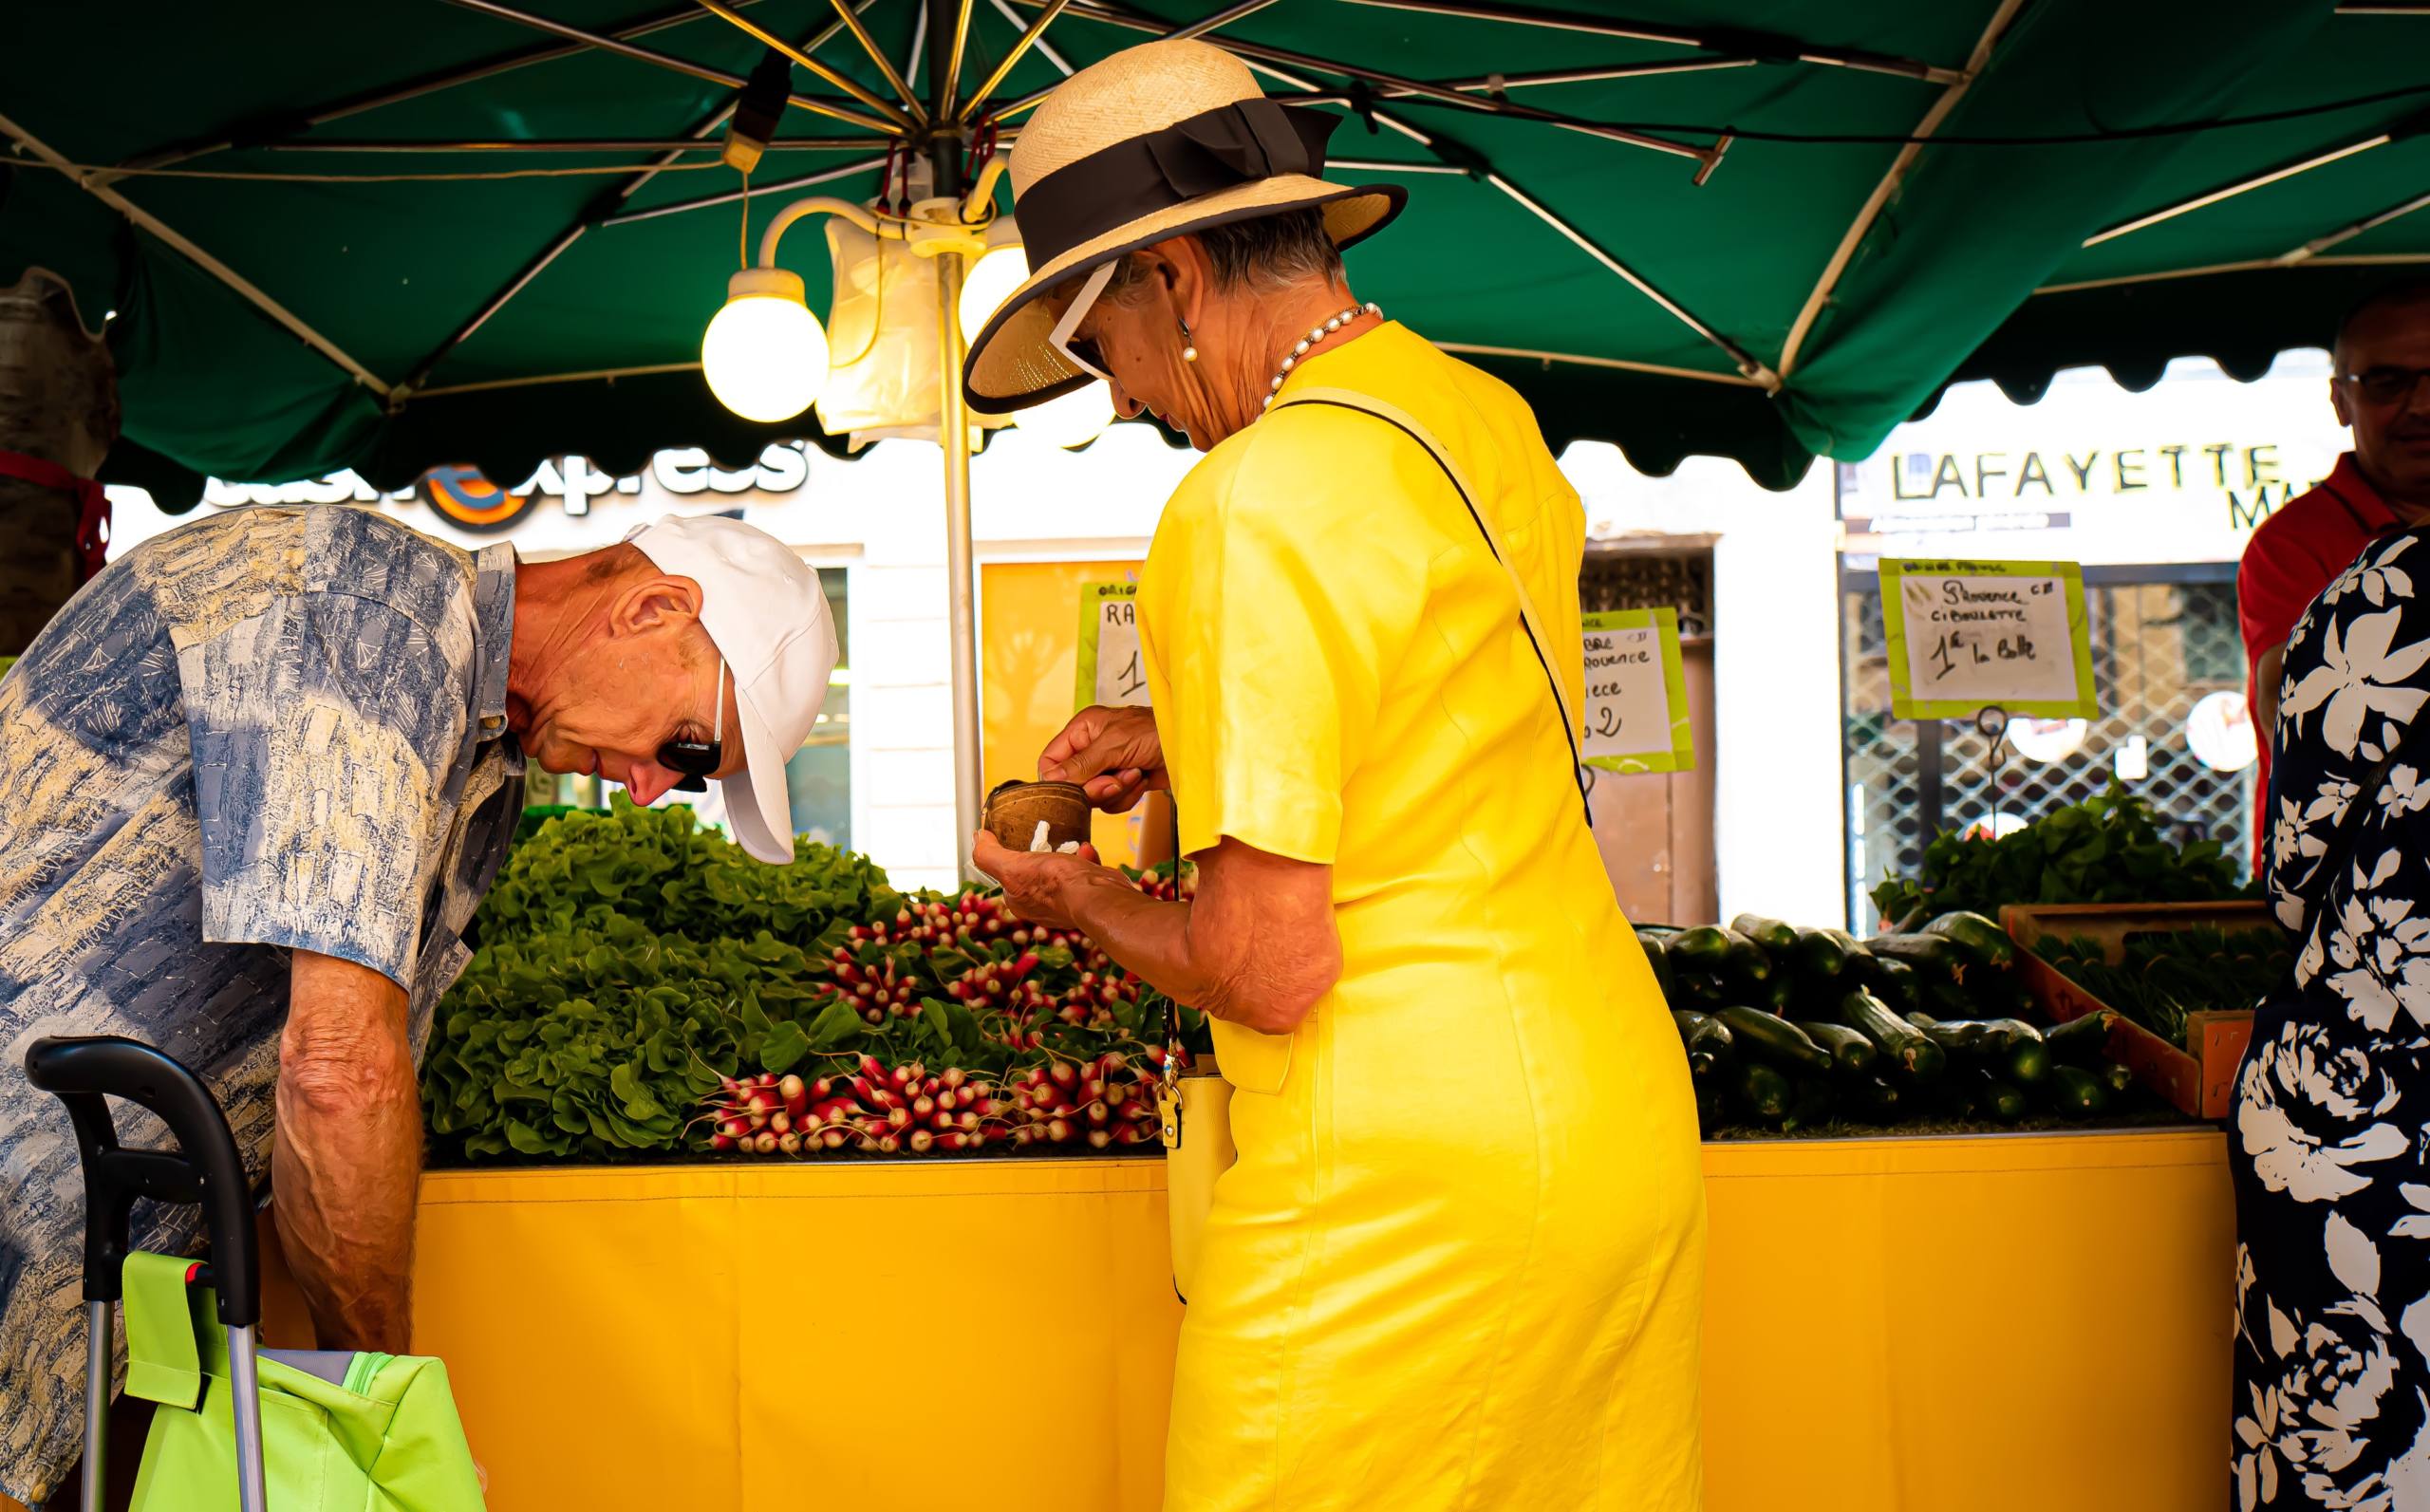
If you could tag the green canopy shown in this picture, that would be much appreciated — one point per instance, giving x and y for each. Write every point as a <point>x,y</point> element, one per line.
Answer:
<point>410,233</point>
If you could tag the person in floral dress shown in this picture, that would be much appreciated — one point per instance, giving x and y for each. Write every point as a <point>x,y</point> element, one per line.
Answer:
<point>2331,1149</point>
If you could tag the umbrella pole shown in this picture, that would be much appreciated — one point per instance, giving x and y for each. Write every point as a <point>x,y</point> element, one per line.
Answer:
<point>948,27</point>
<point>953,434</point>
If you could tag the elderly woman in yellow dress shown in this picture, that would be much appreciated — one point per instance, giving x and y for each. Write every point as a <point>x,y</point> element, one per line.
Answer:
<point>1459,1263</point>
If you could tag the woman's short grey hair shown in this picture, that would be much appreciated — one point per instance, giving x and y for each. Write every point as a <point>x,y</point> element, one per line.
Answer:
<point>1267,255</point>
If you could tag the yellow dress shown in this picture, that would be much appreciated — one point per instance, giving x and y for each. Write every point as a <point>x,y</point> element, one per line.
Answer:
<point>1460,1263</point>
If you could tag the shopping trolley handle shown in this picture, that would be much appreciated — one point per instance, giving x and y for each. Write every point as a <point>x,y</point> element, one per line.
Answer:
<point>204,1170</point>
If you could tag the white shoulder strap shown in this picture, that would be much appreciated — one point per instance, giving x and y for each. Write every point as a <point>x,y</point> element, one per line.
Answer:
<point>1401,419</point>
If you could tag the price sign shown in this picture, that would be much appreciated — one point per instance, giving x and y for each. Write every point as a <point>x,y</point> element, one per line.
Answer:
<point>1968,636</point>
<point>1636,693</point>
<point>1111,671</point>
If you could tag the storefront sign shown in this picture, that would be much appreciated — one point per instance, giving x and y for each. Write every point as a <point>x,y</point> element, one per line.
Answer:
<point>1968,636</point>
<point>471,502</point>
<point>1111,671</point>
<point>2092,472</point>
<point>1636,693</point>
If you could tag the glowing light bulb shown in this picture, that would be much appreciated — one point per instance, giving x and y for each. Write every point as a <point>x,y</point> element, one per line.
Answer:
<point>989,283</point>
<point>1070,419</point>
<point>765,354</point>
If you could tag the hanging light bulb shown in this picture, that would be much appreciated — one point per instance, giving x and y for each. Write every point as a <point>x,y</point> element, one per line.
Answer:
<point>989,283</point>
<point>765,354</point>
<point>1070,419</point>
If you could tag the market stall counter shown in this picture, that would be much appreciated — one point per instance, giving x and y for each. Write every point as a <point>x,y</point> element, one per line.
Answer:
<point>1993,1323</point>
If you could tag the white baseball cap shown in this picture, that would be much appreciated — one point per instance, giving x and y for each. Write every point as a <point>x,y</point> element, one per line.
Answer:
<point>763,606</point>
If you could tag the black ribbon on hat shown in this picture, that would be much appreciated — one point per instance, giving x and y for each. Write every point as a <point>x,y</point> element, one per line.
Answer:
<point>1218,149</point>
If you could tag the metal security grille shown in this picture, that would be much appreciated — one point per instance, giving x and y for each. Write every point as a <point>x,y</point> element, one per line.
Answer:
<point>2162,638</point>
<point>1619,576</point>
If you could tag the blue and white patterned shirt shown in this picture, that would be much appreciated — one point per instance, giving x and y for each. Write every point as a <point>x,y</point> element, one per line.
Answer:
<point>273,730</point>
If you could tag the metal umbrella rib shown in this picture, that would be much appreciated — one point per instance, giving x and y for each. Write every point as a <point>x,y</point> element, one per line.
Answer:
<point>1718,39</point>
<point>850,16</point>
<point>1101,11</point>
<point>625,50</point>
<point>595,215</point>
<point>432,84</point>
<point>802,60</point>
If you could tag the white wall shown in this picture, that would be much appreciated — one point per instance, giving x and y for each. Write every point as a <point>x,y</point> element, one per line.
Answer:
<point>1779,827</point>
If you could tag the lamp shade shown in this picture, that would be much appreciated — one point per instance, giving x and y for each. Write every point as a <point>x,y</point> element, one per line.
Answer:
<point>989,283</point>
<point>765,354</point>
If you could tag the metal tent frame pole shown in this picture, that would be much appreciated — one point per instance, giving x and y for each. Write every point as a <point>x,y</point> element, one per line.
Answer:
<point>948,23</point>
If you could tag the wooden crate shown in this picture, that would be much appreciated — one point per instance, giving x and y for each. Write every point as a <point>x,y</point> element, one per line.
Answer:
<point>2198,1077</point>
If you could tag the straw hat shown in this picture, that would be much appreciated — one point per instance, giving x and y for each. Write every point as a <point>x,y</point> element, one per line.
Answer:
<point>1158,140</point>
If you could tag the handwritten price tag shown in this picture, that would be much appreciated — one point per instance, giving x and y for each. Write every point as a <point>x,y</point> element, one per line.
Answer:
<point>1966,636</point>
<point>1111,671</point>
<point>1636,693</point>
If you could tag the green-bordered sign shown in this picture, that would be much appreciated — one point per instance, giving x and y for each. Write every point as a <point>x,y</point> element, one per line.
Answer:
<point>1969,636</point>
<point>1111,669</point>
<point>1636,693</point>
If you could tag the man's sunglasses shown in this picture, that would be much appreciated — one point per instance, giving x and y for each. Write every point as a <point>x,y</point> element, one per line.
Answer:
<point>698,759</point>
<point>2386,385</point>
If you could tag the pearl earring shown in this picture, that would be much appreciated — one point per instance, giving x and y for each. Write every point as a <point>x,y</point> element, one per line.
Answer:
<point>1189,351</point>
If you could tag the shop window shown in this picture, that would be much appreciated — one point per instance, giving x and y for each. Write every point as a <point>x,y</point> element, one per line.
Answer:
<point>1655,830</point>
<point>2164,649</point>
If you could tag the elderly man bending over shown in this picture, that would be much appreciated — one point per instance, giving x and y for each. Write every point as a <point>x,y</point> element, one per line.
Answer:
<point>254,781</point>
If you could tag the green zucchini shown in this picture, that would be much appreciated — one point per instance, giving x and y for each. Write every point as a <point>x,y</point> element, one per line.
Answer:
<point>1776,995</point>
<point>1702,992</point>
<point>1749,966</point>
<point>1762,1091</point>
<point>1878,1098</point>
<point>2117,1077</point>
<point>1817,956</point>
<point>1903,1045</point>
<point>1711,1038</point>
<point>1932,957</point>
<point>1852,1054</point>
<point>1984,943</point>
<point>1896,982</point>
<point>1659,961</point>
<point>1809,1103</point>
<point>1852,950</point>
<point>1774,1039</point>
<point>1965,1038</point>
<point>1712,1108</point>
<point>1774,938</point>
<point>2027,1059</point>
<point>1999,1099</point>
<point>2081,1041</point>
<point>2078,1094</point>
<point>1704,949</point>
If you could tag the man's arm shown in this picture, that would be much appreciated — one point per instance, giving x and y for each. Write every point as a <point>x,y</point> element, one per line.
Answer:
<point>346,1159</point>
<point>2265,676</point>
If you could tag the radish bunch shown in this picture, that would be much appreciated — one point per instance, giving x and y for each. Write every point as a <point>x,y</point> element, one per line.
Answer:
<point>876,1110</point>
<point>1099,1103</point>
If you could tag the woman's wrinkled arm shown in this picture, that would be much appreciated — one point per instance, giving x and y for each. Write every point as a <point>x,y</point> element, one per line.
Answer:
<point>1257,946</point>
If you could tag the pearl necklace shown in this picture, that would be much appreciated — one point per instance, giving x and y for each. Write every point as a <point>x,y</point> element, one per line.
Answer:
<point>1316,336</point>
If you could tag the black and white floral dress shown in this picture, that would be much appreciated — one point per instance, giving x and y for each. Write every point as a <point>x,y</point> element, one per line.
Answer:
<point>2332,1349</point>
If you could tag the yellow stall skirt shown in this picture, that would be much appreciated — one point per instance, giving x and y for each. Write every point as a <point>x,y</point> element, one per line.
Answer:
<point>1999,1324</point>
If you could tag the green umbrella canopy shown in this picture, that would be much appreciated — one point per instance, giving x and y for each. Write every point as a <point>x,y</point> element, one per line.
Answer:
<point>1752,228</point>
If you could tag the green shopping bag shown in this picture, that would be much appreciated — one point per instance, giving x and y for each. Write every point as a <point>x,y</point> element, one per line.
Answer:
<point>363,1432</point>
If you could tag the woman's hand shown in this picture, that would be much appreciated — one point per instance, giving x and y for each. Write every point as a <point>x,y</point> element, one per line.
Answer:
<point>1038,885</point>
<point>1113,753</point>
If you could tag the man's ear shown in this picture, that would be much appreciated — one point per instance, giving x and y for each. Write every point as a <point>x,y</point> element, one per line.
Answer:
<point>655,604</point>
<point>2337,402</point>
